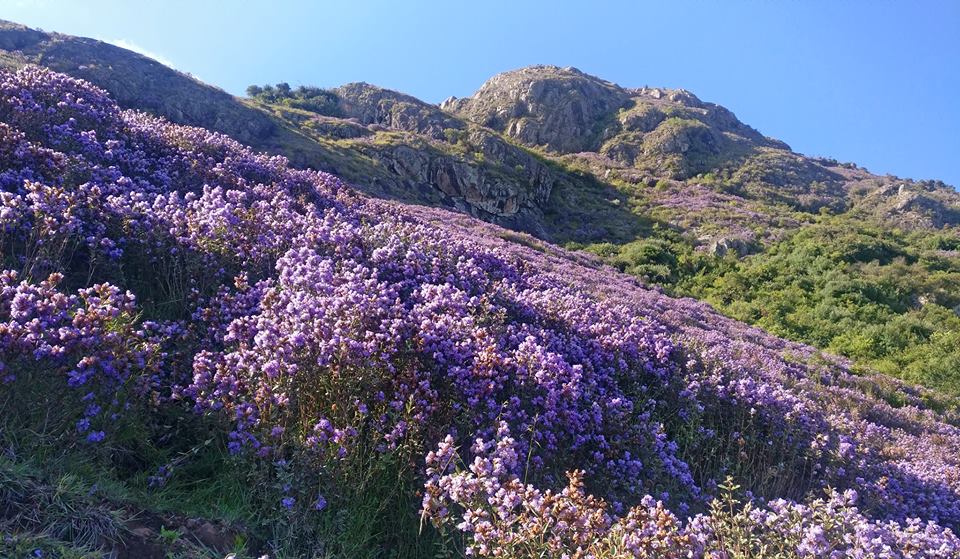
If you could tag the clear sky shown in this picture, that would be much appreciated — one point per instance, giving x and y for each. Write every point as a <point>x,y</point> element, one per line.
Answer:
<point>874,82</point>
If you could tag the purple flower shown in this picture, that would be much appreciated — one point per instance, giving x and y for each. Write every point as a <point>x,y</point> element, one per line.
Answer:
<point>96,436</point>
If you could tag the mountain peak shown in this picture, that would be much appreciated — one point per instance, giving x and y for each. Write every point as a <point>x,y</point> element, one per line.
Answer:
<point>558,108</point>
<point>564,110</point>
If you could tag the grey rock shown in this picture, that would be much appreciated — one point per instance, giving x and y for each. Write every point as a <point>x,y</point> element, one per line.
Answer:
<point>370,104</point>
<point>556,108</point>
<point>726,245</point>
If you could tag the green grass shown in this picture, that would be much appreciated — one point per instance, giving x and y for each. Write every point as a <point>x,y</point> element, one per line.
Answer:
<point>877,296</point>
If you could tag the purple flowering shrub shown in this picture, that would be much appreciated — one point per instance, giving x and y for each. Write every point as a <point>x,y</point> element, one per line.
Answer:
<point>508,518</point>
<point>539,403</point>
<point>416,340</point>
<point>829,526</point>
<point>91,339</point>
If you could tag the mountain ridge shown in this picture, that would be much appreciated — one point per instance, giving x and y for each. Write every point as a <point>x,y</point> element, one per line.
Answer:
<point>134,79</point>
<point>631,134</point>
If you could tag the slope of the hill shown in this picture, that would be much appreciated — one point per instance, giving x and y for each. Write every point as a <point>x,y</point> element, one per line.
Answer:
<point>134,80</point>
<point>820,252</point>
<point>658,183</point>
<point>375,369</point>
<point>401,148</point>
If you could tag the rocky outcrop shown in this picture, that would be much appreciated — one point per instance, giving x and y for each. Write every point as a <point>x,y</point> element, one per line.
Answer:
<point>400,147</point>
<point>479,174</point>
<point>731,245</point>
<point>911,204</point>
<point>469,186</point>
<point>374,105</point>
<point>560,109</point>
<point>337,128</point>
<point>663,132</point>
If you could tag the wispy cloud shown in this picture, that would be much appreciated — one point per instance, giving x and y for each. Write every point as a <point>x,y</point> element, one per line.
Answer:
<point>129,45</point>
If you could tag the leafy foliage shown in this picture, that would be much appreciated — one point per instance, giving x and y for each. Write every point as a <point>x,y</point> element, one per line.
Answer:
<point>308,98</point>
<point>884,298</point>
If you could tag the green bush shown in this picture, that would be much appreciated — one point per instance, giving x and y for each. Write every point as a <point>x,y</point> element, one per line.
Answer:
<point>308,98</point>
<point>880,297</point>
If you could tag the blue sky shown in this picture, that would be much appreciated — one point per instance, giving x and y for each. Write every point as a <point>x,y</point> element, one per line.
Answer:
<point>873,82</point>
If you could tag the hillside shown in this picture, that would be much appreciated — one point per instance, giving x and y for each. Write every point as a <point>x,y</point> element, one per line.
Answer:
<point>520,318</point>
<point>623,136</point>
<point>206,350</point>
<point>658,183</point>
<point>386,143</point>
<point>682,194</point>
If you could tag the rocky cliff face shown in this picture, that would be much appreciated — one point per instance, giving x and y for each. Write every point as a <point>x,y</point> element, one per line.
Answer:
<point>470,167</point>
<point>406,149</point>
<point>480,175</point>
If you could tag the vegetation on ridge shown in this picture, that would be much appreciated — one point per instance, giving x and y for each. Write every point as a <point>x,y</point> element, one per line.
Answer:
<point>313,99</point>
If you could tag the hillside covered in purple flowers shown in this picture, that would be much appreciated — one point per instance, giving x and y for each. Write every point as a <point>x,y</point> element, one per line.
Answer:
<point>191,330</point>
<point>656,182</point>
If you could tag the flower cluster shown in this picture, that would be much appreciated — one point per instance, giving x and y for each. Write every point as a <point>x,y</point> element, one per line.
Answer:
<point>572,410</point>
<point>504,517</point>
<point>89,338</point>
